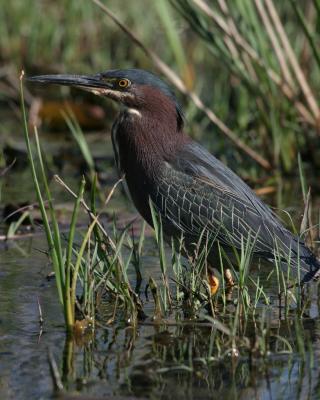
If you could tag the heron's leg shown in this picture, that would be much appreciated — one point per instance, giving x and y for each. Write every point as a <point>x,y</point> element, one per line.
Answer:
<point>228,278</point>
<point>214,281</point>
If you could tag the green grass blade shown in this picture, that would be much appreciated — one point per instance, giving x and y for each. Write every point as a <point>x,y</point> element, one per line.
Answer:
<point>79,137</point>
<point>302,179</point>
<point>68,306</point>
<point>56,231</point>
<point>52,249</point>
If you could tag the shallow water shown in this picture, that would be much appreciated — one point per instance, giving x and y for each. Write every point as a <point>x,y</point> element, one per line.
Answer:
<point>151,361</point>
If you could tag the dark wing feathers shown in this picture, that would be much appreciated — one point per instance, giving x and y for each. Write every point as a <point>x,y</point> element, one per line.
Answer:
<point>202,206</point>
<point>197,161</point>
<point>196,192</point>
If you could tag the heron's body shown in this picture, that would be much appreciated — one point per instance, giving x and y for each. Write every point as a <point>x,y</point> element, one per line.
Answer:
<point>195,194</point>
<point>198,196</point>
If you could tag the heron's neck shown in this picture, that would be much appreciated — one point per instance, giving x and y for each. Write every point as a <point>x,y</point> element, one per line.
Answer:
<point>146,140</point>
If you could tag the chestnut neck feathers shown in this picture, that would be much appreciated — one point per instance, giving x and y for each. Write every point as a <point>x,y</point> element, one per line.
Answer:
<point>152,133</point>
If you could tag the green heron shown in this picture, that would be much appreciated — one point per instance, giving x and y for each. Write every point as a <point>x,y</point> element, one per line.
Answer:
<point>194,193</point>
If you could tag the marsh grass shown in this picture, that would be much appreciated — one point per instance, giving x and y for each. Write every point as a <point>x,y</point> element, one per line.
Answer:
<point>252,40</point>
<point>52,234</point>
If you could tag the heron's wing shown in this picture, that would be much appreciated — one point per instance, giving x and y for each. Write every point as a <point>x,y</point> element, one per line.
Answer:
<point>198,162</point>
<point>198,192</point>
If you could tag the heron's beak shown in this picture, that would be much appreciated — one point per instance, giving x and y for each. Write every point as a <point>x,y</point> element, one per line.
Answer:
<point>93,83</point>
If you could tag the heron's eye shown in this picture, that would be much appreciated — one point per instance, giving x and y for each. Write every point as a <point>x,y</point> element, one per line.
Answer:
<point>123,83</point>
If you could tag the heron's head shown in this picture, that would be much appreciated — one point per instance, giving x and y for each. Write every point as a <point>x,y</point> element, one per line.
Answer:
<point>141,92</point>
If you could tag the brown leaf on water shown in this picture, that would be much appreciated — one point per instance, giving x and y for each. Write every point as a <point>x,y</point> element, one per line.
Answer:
<point>89,116</point>
<point>265,190</point>
<point>83,330</point>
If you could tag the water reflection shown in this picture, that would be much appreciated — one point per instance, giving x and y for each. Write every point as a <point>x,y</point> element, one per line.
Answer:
<point>168,362</point>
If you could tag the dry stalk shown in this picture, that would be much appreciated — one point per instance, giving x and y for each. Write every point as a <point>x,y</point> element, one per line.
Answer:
<point>305,88</point>
<point>275,43</point>
<point>87,208</point>
<point>284,87</point>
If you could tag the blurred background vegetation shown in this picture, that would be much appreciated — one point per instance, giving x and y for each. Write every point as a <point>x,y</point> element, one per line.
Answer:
<point>254,63</point>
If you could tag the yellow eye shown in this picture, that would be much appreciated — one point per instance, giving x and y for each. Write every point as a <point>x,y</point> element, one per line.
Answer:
<point>123,83</point>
